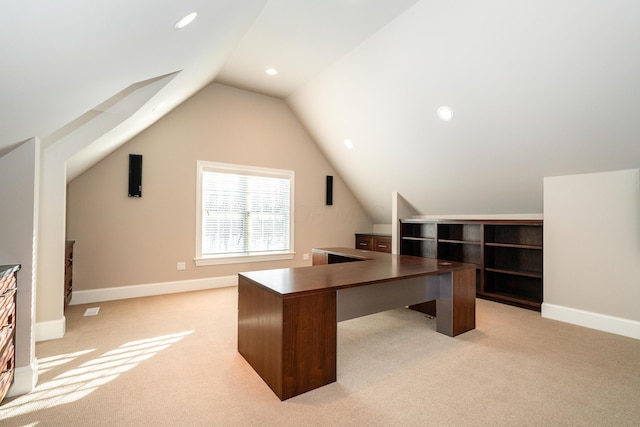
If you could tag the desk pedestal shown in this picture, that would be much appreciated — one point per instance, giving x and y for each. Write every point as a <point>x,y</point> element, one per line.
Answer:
<point>290,342</point>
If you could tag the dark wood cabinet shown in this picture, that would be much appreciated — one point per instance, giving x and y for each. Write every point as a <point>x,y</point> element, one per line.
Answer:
<point>373,242</point>
<point>513,263</point>
<point>507,254</point>
<point>8,290</point>
<point>68,272</point>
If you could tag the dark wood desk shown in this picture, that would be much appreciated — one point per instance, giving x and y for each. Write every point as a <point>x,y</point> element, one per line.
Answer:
<point>287,317</point>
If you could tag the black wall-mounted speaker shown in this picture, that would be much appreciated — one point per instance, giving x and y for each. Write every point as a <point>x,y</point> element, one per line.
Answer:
<point>135,175</point>
<point>329,190</point>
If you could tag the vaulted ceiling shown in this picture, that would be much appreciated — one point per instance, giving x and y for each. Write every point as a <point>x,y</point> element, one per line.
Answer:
<point>537,89</point>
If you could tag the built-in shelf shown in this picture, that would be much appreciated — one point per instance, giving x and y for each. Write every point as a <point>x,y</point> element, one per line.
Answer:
<point>507,254</point>
<point>419,238</point>
<point>511,245</point>
<point>460,242</point>
<point>535,274</point>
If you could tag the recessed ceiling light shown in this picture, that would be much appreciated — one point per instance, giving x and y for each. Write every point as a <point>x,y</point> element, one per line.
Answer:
<point>271,71</point>
<point>348,143</point>
<point>445,113</point>
<point>188,19</point>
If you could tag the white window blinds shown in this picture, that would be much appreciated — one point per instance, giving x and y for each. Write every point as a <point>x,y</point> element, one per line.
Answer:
<point>244,210</point>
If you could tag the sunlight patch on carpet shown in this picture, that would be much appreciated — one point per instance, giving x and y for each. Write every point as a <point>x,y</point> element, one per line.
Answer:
<point>77,382</point>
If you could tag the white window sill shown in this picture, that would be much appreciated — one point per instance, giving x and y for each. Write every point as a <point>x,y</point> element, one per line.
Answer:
<point>238,259</point>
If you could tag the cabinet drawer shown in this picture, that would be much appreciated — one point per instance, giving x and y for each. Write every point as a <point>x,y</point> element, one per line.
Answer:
<point>365,242</point>
<point>373,242</point>
<point>6,335</point>
<point>7,325</point>
<point>8,313</point>
<point>382,244</point>
<point>7,370</point>
<point>7,282</point>
<point>7,307</point>
<point>7,295</point>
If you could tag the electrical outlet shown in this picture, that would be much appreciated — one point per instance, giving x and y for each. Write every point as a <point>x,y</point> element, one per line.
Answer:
<point>181,265</point>
<point>305,256</point>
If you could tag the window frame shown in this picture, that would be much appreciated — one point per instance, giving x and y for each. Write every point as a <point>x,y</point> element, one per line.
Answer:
<point>207,166</point>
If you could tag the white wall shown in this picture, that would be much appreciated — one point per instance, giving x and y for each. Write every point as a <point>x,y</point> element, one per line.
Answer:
<point>531,85</point>
<point>19,178</point>
<point>400,209</point>
<point>592,250</point>
<point>50,286</point>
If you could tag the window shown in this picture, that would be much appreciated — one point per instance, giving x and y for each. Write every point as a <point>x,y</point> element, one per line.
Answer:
<point>244,214</point>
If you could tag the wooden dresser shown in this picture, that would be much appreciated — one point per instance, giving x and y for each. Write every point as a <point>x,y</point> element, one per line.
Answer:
<point>68,272</point>
<point>8,289</point>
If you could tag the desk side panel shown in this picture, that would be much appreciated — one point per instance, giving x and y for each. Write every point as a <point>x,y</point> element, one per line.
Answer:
<point>464,299</point>
<point>260,319</point>
<point>310,333</point>
<point>319,258</point>
<point>456,305</point>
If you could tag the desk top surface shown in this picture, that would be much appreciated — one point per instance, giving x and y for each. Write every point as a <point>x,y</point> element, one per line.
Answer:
<point>371,267</point>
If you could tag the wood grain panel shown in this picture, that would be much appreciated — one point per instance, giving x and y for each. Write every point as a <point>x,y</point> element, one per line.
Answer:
<point>319,258</point>
<point>464,301</point>
<point>309,359</point>
<point>260,325</point>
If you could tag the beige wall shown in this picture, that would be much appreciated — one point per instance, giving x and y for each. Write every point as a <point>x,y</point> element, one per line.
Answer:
<point>123,241</point>
<point>592,250</point>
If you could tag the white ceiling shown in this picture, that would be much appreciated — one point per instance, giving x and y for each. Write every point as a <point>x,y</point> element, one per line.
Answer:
<point>302,38</point>
<point>538,88</point>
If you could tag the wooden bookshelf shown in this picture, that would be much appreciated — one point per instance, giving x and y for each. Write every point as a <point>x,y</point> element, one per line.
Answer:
<point>507,254</point>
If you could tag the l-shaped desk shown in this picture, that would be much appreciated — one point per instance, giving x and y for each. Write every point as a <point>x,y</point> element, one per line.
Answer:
<point>287,317</point>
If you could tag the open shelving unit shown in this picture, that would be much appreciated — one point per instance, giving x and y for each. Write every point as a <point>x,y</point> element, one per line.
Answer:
<point>507,254</point>
<point>419,239</point>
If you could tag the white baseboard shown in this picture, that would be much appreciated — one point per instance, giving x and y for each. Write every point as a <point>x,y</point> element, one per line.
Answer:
<point>24,380</point>
<point>50,330</point>
<point>151,289</point>
<point>601,322</point>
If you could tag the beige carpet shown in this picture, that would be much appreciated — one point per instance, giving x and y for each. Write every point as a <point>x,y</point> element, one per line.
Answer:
<point>172,361</point>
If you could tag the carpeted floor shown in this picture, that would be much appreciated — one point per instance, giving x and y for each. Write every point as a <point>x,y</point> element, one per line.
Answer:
<point>172,361</point>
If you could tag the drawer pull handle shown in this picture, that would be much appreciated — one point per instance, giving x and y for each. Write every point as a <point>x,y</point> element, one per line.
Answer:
<point>382,246</point>
<point>363,244</point>
<point>7,292</point>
